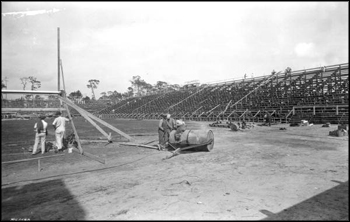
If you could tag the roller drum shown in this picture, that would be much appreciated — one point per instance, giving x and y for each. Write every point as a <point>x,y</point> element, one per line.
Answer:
<point>193,137</point>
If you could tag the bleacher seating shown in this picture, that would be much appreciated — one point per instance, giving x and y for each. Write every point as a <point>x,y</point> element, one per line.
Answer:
<point>281,94</point>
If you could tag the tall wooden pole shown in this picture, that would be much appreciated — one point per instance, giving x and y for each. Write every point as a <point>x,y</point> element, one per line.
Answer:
<point>58,57</point>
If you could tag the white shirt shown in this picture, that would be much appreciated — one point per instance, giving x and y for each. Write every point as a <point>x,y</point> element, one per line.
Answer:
<point>44,126</point>
<point>60,123</point>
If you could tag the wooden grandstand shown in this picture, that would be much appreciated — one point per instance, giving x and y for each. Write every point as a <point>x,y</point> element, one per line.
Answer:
<point>317,94</point>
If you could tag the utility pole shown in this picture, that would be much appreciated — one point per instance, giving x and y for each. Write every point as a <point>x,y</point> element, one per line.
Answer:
<point>58,58</point>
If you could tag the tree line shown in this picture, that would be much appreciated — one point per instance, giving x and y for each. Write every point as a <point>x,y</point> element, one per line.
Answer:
<point>139,87</point>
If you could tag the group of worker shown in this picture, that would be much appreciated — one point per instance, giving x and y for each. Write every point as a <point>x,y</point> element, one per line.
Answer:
<point>41,131</point>
<point>166,125</point>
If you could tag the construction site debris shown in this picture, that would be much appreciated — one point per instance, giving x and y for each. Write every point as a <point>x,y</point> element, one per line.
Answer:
<point>326,125</point>
<point>338,133</point>
<point>343,126</point>
<point>301,123</point>
<point>241,126</point>
<point>220,124</point>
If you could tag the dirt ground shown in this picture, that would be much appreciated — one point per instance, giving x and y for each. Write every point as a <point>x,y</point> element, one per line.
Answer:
<point>260,174</point>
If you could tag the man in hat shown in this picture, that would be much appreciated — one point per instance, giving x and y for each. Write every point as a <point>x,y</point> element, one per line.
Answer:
<point>180,128</point>
<point>40,129</point>
<point>169,126</point>
<point>59,125</point>
<point>161,131</point>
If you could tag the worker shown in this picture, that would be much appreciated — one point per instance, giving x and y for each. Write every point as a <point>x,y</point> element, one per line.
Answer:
<point>161,131</point>
<point>180,128</point>
<point>59,125</point>
<point>40,129</point>
<point>170,126</point>
<point>267,118</point>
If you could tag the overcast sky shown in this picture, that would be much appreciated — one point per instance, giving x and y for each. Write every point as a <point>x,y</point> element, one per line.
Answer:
<point>173,42</point>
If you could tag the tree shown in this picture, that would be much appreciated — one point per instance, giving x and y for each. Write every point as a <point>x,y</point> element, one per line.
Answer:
<point>148,88</point>
<point>3,85</point>
<point>75,95</point>
<point>51,97</point>
<point>104,95</point>
<point>288,71</point>
<point>24,81</point>
<point>125,95</point>
<point>139,85</point>
<point>86,99</point>
<point>36,84</point>
<point>175,86</point>
<point>130,92</point>
<point>38,97</point>
<point>114,96</point>
<point>93,85</point>
<point>161,85</point>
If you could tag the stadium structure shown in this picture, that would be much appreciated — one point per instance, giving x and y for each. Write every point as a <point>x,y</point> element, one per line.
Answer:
<point>319,95</point>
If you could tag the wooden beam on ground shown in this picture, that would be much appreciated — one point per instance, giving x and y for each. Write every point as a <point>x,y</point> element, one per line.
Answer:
<point>29,159</point>
<point>94,157</point>
<point>139,145</point>
<point>96,119</point>
<point>94,141</point>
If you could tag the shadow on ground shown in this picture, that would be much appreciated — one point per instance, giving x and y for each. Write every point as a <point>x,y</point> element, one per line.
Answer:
<point>48,200</point>
<point>332,204</point>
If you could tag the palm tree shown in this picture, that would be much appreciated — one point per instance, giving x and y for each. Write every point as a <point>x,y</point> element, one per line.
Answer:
<point>93,85</point>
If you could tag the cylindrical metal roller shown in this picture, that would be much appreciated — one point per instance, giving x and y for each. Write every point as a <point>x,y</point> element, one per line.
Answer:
<point>194,137</point>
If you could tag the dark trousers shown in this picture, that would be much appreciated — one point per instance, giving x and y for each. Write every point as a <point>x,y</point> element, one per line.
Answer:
<point>161,137</point>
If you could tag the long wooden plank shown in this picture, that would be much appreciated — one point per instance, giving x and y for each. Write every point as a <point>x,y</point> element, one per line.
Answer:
<point>29,159</point>
<point>94,141</point>
<point>111,127</point>
<point>140,145</point>
<point>94,157</point>
<point>94,124</point>
<point>97,119</point>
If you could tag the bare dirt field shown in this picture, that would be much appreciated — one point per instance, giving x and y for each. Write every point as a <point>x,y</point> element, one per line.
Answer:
<point>260,174</point>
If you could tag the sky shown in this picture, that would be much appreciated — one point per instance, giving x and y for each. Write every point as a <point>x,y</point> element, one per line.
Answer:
<point>175,42</point>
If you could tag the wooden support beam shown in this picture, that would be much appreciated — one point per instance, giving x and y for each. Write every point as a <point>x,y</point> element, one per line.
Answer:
<point>74,129</point>
<point>31,109</point>
<point>94,124</point>
<point>31,92</point>
<point>256,114</point>
<point>96,119</point>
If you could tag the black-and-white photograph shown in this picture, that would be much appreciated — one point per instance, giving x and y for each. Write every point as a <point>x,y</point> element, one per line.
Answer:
<point>174,110</point>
